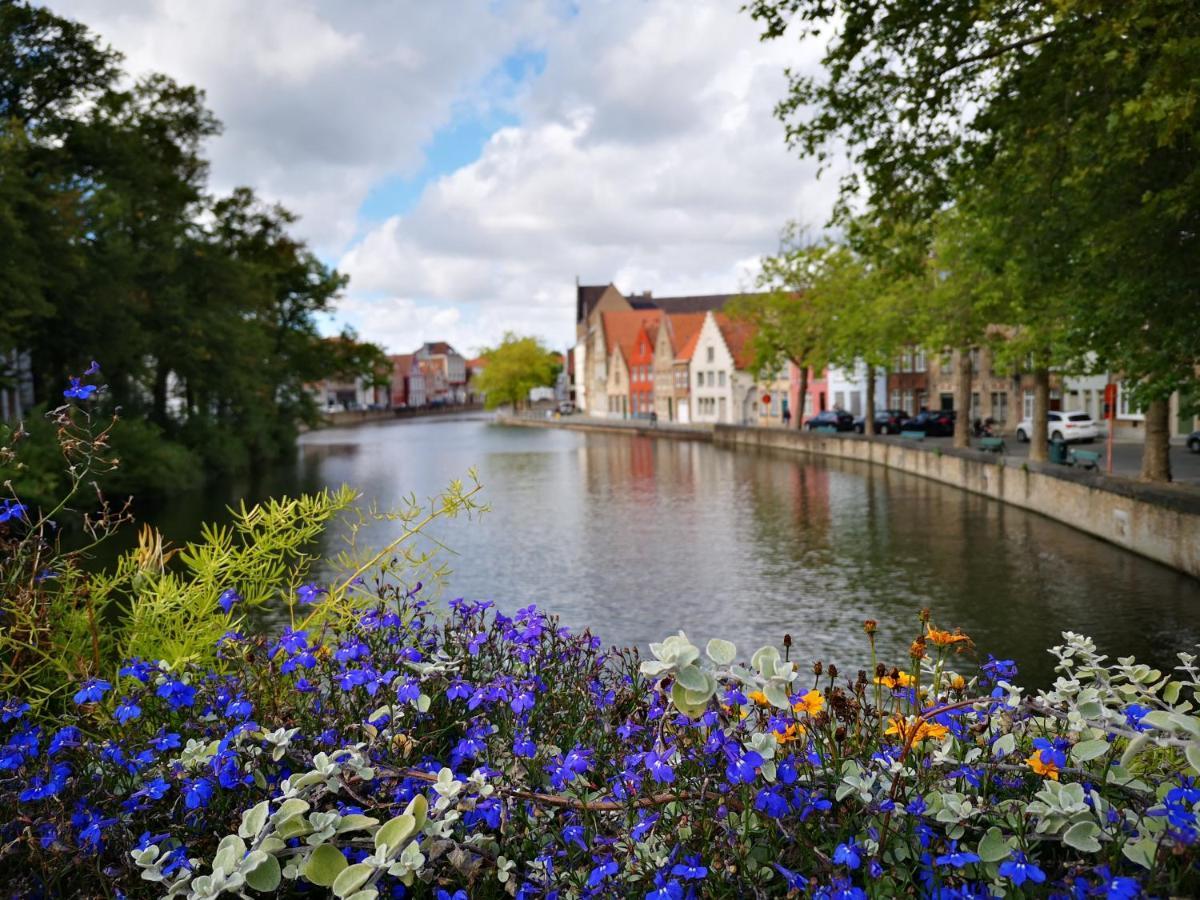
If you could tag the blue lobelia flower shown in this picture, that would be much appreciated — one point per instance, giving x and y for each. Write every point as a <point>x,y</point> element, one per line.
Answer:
<point>690,869</point>
<point>79,391</point>
<point>848,855</point>
<point>92,691</point>
<point>228,599</point>
<point>197,792</point>
<point>67,736</point>
<point>656,763</point>
<point>177,694</point>
<point>956,858</point>
<point>310,593</point>
<point>127,710</point>
<point>602,871</point>
<point>93,369</point>
<point>11,509</point>
<point>1018,870</point>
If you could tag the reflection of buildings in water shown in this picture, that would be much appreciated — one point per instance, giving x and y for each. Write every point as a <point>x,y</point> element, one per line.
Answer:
<point>641,459</point>
<point>313,452</point>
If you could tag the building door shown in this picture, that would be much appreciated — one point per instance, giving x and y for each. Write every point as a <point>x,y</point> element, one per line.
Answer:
<point>947,402</point>
<point>721,410</point>
<point>684,413</point>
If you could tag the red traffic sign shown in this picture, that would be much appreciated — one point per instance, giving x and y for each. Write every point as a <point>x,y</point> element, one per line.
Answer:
<point>766,399</point>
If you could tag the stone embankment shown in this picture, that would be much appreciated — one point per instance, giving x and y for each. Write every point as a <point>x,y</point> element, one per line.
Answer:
<point>1161,522</point>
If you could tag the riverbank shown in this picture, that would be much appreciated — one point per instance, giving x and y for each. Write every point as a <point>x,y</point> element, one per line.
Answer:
<point>348,417</point>
<point>1160,522</point>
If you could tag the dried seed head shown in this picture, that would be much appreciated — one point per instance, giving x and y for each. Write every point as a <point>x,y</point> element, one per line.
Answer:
<point>870,625</point>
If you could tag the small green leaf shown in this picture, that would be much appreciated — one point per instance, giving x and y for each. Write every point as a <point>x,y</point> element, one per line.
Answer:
<point>994,847</point>
<point>355,822</point>
<point>1192,752</point>
<point>324,865</point>
<point>691,678</point>
<point>395,832</point>
<point>418,808</point>
<point>721,652</point>
<point>266,875</point>
<point>229,854</point>
<point>296,826</point>
<point>1142,852</point>
<point>254,819</point>
<point>1004,745</point>
<point>1085,750</point>
<point>1134,748</point>
<point>766,660</point>
<point>1082,836</point>
<point>351,879</point>
<point>294,806</point>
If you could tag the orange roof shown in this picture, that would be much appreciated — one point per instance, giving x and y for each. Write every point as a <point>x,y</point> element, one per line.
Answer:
<point>737,336</point>
<point>621,328</point>
<point>684,329</point>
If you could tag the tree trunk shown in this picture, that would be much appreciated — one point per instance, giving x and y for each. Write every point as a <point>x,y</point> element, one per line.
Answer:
<point>962,398</point>
<point>159,413</point>
<point>869,417</point>
<point>1041,415</point>
<point>798,415</point>
<point>1156,452</point>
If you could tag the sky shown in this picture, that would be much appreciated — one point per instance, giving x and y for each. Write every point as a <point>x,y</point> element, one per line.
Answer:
<point>464,162</point>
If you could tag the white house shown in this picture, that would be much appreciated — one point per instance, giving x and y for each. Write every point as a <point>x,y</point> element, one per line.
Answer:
<point>847,388</point>
<point>723,390</point>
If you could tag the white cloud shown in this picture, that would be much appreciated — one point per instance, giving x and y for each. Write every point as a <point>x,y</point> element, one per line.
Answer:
<point>646,152</point>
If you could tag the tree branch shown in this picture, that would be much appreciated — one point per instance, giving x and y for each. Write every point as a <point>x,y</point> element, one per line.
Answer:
<point>997,51</point>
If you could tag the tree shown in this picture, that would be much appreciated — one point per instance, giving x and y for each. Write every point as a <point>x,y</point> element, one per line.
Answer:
<point>1072,128</point>
<point>789,319</point>
<point>514,368</point>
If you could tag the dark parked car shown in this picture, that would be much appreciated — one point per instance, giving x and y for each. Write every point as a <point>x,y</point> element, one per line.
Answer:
<point>831,418</point>
<point>887,421</point>
<point>935,423</point>
<point>1193,442</point>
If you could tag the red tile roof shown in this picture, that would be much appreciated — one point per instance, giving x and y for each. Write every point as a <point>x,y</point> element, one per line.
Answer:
<point>737,336</point>
<point>621,328</point>
<point>684,329</point>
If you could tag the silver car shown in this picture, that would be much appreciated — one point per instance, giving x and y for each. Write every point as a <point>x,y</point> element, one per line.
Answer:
<point>1063,426</point>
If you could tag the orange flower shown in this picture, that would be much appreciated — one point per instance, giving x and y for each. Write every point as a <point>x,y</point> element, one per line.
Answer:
<point>902,680</point>
<point>792,733</point>
<point>759,697</point>
<point>957,682</point>
<point>946,638</point>
<point>923,730</point>
<point>811,703</point>
<point>1040,766</point>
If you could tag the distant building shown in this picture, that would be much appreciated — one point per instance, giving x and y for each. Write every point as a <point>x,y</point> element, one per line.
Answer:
<point>445,373</point>
<point>848,388</point>
<point>723,388</point>
<point>408,382</point>
<point>673,348</point>
<point>908,383</point>
<point>816,394</point>
<point>475,368</point>
<point>627,345</point>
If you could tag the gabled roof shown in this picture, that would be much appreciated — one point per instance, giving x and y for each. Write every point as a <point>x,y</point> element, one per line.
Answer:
<point>737,335</point>
<point>684,328</point>
<point>621,328</point>
<point>699,303</point>
<point>402,361</point>
<point>438,348</point>
<point>586,298</point>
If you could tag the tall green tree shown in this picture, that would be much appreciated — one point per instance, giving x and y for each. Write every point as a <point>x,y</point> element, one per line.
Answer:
<point>1071,126</point>
<point>790,321</point>
<point>513,368</point>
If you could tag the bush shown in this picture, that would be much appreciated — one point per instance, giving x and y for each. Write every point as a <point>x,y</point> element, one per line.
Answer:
<point>480,752</point>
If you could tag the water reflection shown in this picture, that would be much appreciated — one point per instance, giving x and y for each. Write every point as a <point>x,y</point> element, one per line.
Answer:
<point>638,538</point>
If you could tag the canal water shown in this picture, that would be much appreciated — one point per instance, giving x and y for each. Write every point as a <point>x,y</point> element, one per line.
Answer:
<point>639,538</point>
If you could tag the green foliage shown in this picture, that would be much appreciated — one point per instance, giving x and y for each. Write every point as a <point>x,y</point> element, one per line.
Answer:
<point>202,309</point>
<point>513,369</point>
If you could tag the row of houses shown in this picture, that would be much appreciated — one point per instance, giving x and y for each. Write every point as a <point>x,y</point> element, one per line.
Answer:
<point>433,375</point>
<point>684,360</point>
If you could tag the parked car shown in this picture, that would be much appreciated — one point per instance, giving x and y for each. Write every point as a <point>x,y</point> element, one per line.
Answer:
<point>887,421</point>
<point>831,418</point>
<point>1062,426</point>
<point>934,422</point>
<point>1193,442</point>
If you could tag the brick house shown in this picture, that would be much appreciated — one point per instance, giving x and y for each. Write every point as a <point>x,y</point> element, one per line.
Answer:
<point>629,362</point>
<point>445,373</point>
<point>408,382</point>
<point>676,341</point>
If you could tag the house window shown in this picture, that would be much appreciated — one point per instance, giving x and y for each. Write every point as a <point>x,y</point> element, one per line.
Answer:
<point>905,361</point>
<point>699,379</point>
<point>906,403</point>
<point>721,378</point>
<point>919,361</point>
<point>895,400</point>
<point>974,405</point>
<point>1000,406</point>
<point>839,399</point>
<point>1027,405</point>
<point>1125,409</point>
<point>974,359</point>
<point>709,352</point>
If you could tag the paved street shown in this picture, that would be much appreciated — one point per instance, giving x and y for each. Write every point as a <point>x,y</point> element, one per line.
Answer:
<point>1127,457</point>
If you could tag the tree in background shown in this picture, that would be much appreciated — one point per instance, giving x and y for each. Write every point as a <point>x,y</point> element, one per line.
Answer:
<point>789,321</point>
<point>1071,127</point>
<point>514,368</point>
<point>201,309</point>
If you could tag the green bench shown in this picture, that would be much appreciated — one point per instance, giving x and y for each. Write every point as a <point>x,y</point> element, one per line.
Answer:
<point>1089,459</point>
<point>826,429</point>
<point>913,435</point>
<point>992,444</point>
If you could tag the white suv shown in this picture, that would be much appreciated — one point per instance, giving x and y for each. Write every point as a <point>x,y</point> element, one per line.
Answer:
<point>1062,426</point>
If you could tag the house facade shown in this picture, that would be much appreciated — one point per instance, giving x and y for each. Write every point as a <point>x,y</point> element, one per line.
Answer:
<point>815,397</point>
<point>722,388</point>
<point>671,356</point>
<point>629,341</point>
<point>847,388</point>
<point>908,381</point>
<point>445,373</point>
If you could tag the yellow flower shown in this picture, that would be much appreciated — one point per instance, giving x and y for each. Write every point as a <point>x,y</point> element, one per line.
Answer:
<point>923,730</point>
<point>759,697</point>
<point>957,682</point>
<point>792,733</point>
<point>902,680</point>
<point>946,638</point>
<point>811,703</point>
<point>1047,769</point>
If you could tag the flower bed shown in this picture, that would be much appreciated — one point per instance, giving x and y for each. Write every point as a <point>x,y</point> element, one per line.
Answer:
<point>473,753</point>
